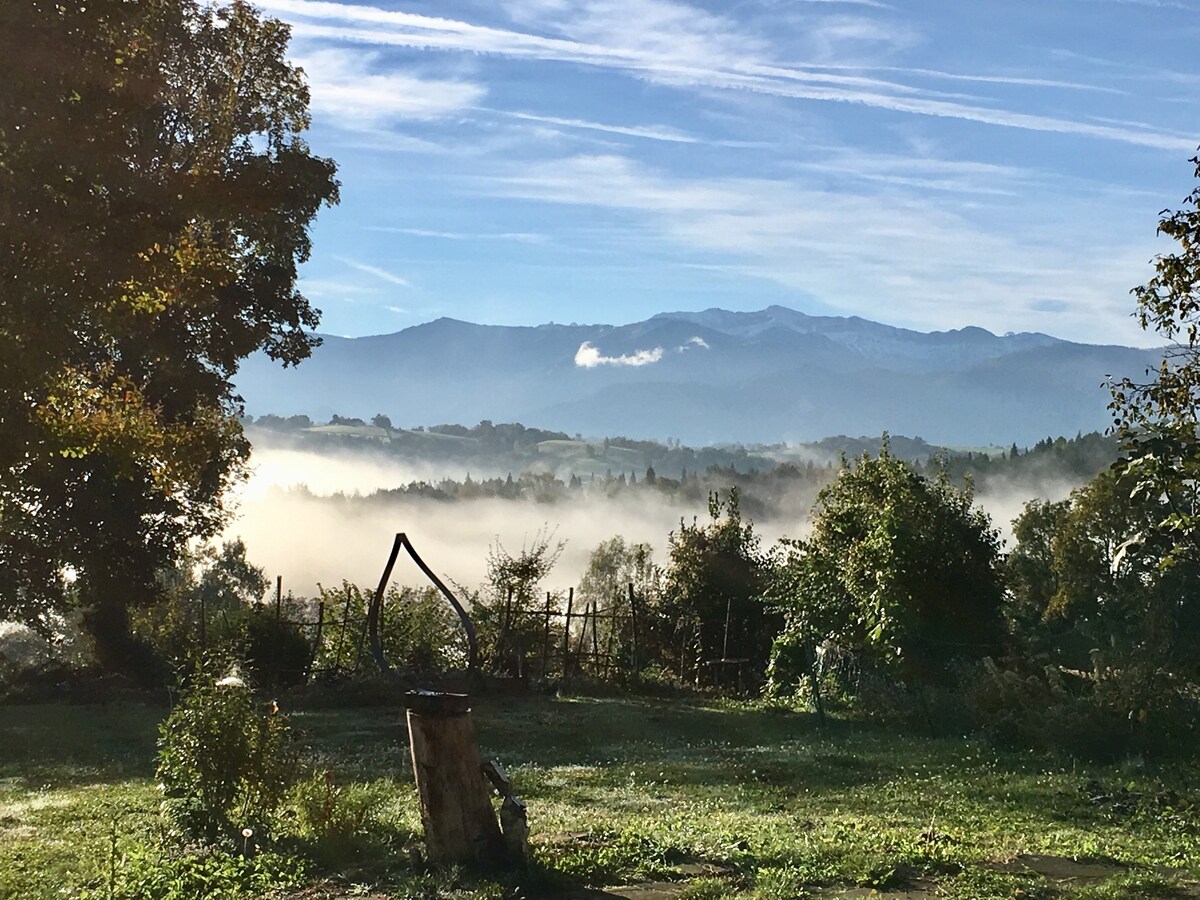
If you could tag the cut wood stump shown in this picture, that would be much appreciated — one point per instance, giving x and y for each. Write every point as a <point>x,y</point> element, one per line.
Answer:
<point>456,807</point>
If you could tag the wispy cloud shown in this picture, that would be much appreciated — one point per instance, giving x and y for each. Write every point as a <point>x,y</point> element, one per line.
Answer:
<point>653,133</point>
<point>522,237</point>
<point>853,248</point>
<point>589,357</point>
<point>382,274</point>
<point>348,88</point>
<point>678,45</point>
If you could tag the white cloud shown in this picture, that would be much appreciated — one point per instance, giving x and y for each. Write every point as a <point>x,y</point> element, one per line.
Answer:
<point>521,237</point>
<point>381,274</point>
<point>589,357</point>
<point>348,88</point>
<point>669,43</point>
<point>693,343</point>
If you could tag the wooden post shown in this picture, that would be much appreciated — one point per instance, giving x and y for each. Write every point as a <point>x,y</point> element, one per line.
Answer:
<point>316,654</point>
<point>567,634</point>
<point>595,637</point>
<point>337,657</point>
<point>456,807</point>
<point>634,641</point>
<point>546,639</point>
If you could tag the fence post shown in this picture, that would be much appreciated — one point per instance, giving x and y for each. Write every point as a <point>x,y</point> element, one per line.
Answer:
<point>634,642</point>
<point>337,659</point>
<point>567,634</point>
<point>595,637</point>
<point>579,653</point>
<point>320,630</point>
<point>546,638</point>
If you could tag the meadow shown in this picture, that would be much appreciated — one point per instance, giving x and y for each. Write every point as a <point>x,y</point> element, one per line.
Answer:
<point>705,798</point>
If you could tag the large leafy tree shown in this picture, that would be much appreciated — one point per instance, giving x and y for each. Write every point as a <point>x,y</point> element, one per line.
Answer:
<point>1114,585</point>
<point>1106,592</point>
<point>155,198</point>
<point>1157,418</point>
<point>715,578</point>
<point>901,569</point>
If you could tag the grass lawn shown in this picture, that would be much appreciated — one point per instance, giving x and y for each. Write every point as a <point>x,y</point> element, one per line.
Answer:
<point>743,800</point>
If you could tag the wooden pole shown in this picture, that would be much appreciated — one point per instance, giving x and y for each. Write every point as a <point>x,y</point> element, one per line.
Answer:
<point>546,638</point>
<point>595,638</point>
<point>634,641</point>
<point>316,654</point>
<point>337,656</point>
<point>456,808</point>
<point>567,634</point>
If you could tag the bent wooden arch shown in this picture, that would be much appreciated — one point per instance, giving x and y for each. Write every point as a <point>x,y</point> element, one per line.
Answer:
<point>375,612</point>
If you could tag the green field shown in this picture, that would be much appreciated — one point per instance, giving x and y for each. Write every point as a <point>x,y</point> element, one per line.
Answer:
<point>724,799</point>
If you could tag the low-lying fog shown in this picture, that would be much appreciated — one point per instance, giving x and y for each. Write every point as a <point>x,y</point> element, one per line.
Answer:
<point>305,516</point>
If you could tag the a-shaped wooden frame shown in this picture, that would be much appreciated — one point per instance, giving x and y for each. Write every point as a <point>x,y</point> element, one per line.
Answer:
<point>374,613</point>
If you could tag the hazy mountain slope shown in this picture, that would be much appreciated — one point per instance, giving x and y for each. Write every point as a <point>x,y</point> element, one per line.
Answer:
<point>775,374</point>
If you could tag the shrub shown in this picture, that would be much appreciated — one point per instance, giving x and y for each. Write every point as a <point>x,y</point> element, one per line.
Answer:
<point>338,821</point>
<point>225,761</point>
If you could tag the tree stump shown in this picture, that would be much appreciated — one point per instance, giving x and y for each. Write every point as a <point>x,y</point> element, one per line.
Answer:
<point>456,807</point>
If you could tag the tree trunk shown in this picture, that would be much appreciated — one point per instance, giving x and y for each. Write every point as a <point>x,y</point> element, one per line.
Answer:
<point>456,807</point>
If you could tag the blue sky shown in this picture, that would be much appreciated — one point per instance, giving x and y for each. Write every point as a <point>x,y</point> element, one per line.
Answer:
<point>927,164</point>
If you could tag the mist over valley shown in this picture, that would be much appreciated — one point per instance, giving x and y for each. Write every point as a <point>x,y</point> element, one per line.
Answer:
<point>324,501</point>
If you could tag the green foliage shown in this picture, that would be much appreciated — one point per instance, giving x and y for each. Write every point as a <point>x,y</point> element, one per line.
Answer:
<point>419,630</point>
<point>901,569</point>
<point>1030,570</point>
<point>1157,419</point>
<point>607,857</point>
<point>226,760</point>
<point>1022,706</point>
<point>505,630</point>
<point>1123,603</point>
<point>151,874</point>
<point>708,888</point>
<point>157,198</point>
<point>339,823</point>
<point>713,587</point>
<point>613,567</point>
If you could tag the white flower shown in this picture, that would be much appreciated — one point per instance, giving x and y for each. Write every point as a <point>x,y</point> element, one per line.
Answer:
<point>247,832</point>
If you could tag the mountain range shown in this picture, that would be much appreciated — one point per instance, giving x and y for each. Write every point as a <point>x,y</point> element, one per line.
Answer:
<point>709,377</point>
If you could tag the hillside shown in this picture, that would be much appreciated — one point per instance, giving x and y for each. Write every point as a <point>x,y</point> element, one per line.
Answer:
<point>710,377</point>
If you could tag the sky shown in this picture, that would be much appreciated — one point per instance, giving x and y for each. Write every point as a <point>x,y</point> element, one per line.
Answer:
<point>930,164</point>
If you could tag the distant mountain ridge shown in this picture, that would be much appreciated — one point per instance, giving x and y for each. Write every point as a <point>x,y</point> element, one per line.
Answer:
<point>708,377</point>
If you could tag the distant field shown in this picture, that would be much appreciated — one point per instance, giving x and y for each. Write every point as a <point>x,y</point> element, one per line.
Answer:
<point>742,800</point>
<point>358,431</point>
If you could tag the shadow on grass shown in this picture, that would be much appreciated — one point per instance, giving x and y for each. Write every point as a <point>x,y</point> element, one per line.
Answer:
<point>65,745</point>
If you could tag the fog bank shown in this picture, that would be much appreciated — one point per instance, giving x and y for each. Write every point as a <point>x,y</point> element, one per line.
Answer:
<point>308,517</point>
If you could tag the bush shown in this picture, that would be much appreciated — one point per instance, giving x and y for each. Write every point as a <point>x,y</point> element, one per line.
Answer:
<point>226,761</point>
<point>419,631</point>
<point>1027,707</point>
<point>338,821</point>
